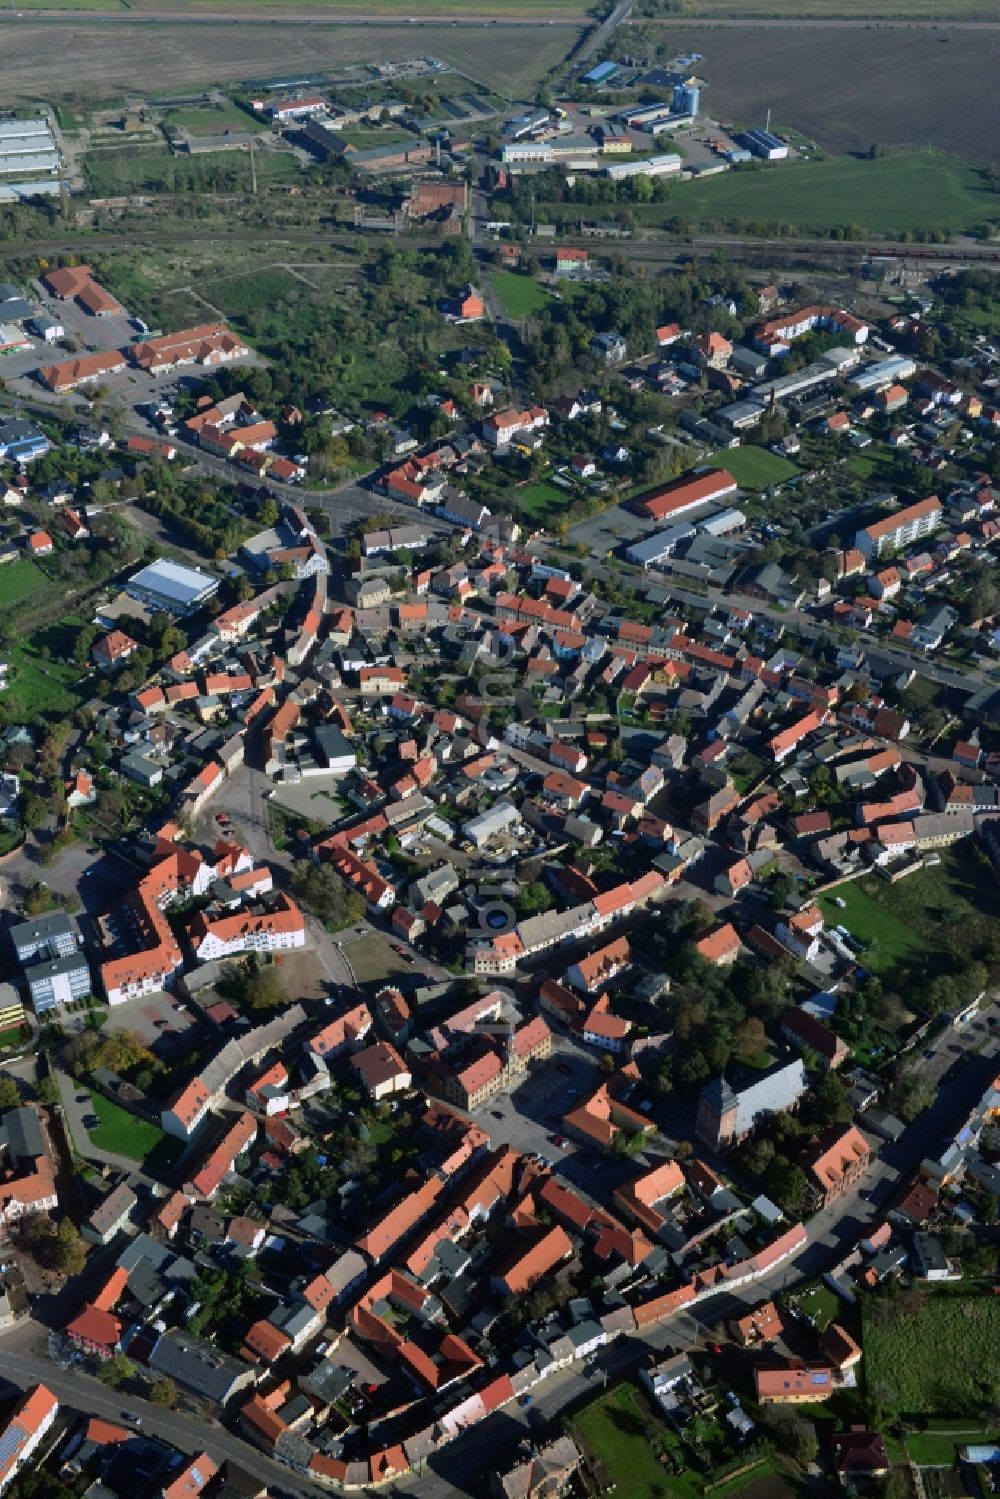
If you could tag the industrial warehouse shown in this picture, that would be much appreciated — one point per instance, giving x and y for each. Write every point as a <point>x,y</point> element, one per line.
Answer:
<point>30,164</point>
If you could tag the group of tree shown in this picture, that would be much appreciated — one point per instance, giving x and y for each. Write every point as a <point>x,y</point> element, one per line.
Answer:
<point>119,1051</point>
<point>326,895</point>
<point>56,1246</point>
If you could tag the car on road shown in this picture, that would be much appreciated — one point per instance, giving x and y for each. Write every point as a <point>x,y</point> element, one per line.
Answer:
<point>497,1113</point>
<point>91,1121</point>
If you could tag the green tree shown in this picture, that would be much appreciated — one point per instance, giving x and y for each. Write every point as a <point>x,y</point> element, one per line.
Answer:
<point>10,1094</point>
<point>48,1092</point>
<point>70,1250</point>
<point>263,988</point>
<point>116,1371</point>
<point>163,1392</point>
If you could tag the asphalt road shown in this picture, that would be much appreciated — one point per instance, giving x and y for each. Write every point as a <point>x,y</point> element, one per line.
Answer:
<point>81,1392</point>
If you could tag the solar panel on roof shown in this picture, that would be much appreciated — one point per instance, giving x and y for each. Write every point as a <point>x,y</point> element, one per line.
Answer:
<point>819,1378</point>
<point>11,1442</point>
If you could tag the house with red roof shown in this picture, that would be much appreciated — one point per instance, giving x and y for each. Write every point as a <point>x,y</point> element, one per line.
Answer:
<point>838,1166</point>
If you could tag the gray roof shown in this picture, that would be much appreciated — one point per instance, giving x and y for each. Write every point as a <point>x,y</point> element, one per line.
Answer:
<point>21,1135</point>
<point>41,929</point>
<point>114,1207</point>
<point>776,1091</point>
<point>183,585</point>
<point>198,1366</point>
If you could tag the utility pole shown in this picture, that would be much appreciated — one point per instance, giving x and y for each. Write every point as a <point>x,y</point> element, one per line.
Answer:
<point>253,168</point>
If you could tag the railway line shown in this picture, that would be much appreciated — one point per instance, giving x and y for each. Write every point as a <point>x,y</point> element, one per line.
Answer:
<point>662,248</point>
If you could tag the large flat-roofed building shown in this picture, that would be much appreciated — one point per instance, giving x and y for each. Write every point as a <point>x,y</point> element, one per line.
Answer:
<point>654,550</point>
<point>52,936</point>
<point>171,586</point>
<point>901,529</point>
<point>58,981</point>
<point>686,493</point>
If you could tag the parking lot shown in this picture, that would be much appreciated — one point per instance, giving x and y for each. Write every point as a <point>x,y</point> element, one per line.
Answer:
<point>530,1119</point>
<point>157,1022</point>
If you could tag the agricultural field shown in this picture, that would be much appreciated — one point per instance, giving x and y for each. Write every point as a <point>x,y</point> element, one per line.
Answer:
<point>164,56</point>
<point>754,468</point>
<point>933,1359</point>
<point>912,191</point>
<point>807,67</point>
<point>831,10</point>
<point>383,10</point>
<point>519,295</point>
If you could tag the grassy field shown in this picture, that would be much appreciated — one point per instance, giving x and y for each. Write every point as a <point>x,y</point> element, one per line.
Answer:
<point>933,1360</point>
<point>912,190</point>
<point>872,463</point>
<point>124,1134</point>
<point>211,119</point>
<point>373,962</point>
<point>237,295</point>
<point>615,1432</point>
<point>19,580</point>
<point>923,914</point>
<point>937,1446</point>
<point>755,468</point>
<point>538,502</point>
<point>111,172</point>
<point>866,919</point>
<point>519,295</point>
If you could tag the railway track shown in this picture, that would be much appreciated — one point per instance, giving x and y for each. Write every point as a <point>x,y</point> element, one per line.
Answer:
<point>664,249</point>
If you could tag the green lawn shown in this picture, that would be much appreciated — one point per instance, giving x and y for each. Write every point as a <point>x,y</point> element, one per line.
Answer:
<point>933,1360</point>
<point>19,580</point>
<point>540,501</point>
<point>938,1446</point>
<point>822,1304</point>
<point>211,119</point>
<point>519,295</point>
<point>38,686</point>
<point>616,1430</point>
<point>755,468</point>
<point>866,919</point>
<point>15,1035</point>
<point>911,190</point>
<point>124,1134</point>
<point>942,910</point>
<point>871,462</point>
